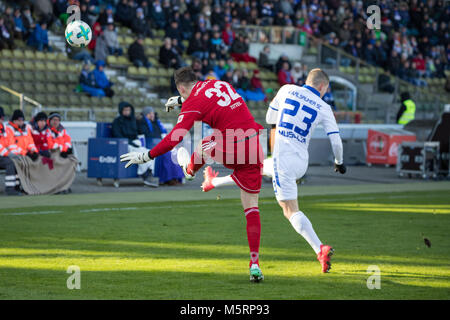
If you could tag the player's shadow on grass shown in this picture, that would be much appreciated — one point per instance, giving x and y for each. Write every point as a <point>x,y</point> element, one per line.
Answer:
<point>96,249</point>
<point>27,283</point>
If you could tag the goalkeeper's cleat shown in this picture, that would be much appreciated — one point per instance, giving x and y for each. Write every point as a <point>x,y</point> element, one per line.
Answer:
<point>209,174</point>
<point>324,257</point>
<point>256,273</point>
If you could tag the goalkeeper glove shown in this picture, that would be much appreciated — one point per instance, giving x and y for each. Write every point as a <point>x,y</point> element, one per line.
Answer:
<point>135,158</point>
<point>173,102</point>
<point>340,168</point>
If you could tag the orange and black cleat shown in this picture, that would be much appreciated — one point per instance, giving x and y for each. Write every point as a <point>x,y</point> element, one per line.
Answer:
<point>209,174</point>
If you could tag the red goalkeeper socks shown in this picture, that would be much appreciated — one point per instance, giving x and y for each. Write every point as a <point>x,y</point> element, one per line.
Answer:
<point>253,233</point>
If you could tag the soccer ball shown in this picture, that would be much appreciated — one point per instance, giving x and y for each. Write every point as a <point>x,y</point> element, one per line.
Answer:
<point>78,33</point>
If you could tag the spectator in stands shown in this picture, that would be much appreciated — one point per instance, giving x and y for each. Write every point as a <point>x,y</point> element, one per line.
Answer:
<point>78,53</point>
<point>40,133</point>
<point>187,29</point>
<point>58,138</point>
<point>139,24</point>
<point>136,53</point>
<point>87,82</point>
<point>18,137</point>
<point>173,31</point>
<point>43,9</point>
<point>39,37</point>
<point>263,61</point>
<point>157,15</point>
<point>439,73</point>
<point>112,41</point>
<point>96,32</point>
<point>19,30</point>
<point>168,56</point>
<point>284,75</point>
<point>228,35</point>
<point>165,169</point>
<point>297,72</point>
<point>125,12</point>
<point>106,16</point>
<point>6,36</point>
<point>101,80</point>
<point>385,84</point>
<point>217,46</point>
<point>329,98</point>
<point>256,90</point>
<point>9,19</point>
<point>394,63</point>
<point>28,21</point>
<point>220,69</point>
<point>281,60</point>
<point>101,48</point>
<point>87,15</point>
<point>239,50</point>
<point>125,126</point>
<point>198,48</point>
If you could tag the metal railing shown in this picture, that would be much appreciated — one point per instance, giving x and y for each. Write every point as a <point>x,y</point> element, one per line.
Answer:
<point>38,106</point>
<point>22,98</point>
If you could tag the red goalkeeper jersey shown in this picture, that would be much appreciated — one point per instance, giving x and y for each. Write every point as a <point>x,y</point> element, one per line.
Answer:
<point>215,103</point>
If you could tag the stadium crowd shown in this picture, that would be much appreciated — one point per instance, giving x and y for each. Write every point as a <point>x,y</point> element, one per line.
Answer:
<point>413,42</point>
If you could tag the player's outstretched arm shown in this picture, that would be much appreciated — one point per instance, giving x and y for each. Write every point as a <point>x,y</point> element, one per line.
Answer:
<point>135,158</point>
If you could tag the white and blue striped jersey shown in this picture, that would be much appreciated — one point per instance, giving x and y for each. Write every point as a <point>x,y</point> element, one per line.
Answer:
<point>297,111</point>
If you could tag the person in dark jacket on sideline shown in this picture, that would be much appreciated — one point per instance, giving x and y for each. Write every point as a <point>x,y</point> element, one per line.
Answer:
<point>125,126</point>
<point>166,170</point>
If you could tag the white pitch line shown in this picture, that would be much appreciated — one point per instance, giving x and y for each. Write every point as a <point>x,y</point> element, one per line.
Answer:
<point>30,212</point>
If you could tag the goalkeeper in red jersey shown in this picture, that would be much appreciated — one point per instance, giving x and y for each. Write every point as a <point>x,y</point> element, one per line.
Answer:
<point>234,143</point>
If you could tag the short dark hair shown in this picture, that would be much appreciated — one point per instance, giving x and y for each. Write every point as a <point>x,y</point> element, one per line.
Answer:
<point>317,76</point>
<point>185,75</point>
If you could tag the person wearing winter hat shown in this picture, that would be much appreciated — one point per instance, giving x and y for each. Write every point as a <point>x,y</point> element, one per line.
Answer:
<point>19,138</point>
<point>40,133</point>
<point>125,126</point>
<point>5,162</point>
<point>58,138</point>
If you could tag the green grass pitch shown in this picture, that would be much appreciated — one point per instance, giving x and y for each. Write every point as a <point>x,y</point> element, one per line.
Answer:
<point>198,249</point>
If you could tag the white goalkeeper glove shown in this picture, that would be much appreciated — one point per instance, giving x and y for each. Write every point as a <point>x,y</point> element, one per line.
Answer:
<point>135,158</point>
<point>173,102</point>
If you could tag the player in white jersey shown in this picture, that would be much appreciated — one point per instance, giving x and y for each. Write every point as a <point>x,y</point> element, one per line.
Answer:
<point>296,111</point>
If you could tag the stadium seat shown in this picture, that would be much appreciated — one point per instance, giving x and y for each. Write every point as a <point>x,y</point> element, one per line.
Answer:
<point>39,66</point>
<point>17,76</point>
<point>5,75</point>
<point>40,55</point>
<point>6,54</point>
<point>18,54</point>
<point>17,65</point>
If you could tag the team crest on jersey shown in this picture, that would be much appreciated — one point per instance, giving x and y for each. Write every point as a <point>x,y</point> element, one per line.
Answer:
<point>180,118</point>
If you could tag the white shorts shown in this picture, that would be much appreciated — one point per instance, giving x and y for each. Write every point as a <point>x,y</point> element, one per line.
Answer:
<point>287,169</point>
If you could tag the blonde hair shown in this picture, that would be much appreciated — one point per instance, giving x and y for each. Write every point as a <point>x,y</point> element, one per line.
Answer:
<point>317,77</point>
